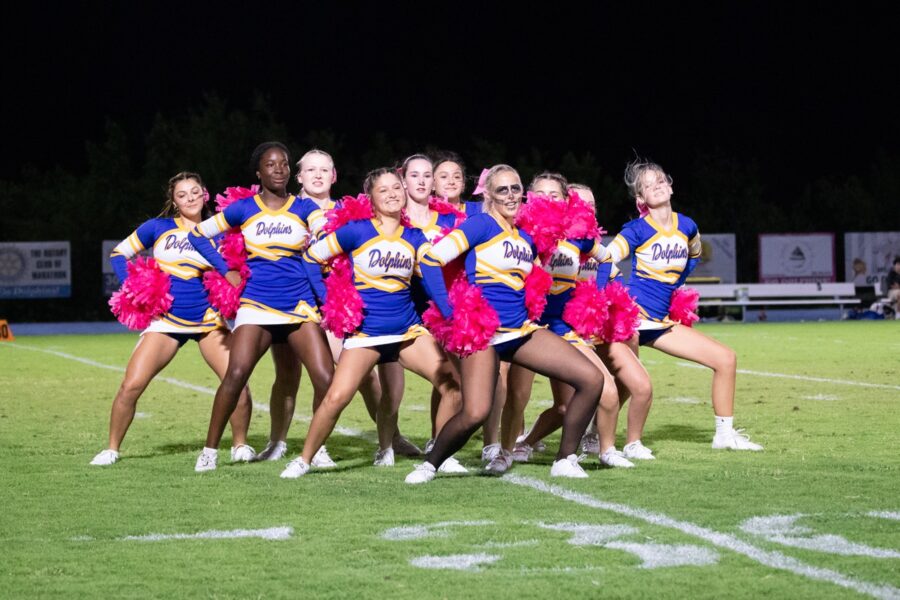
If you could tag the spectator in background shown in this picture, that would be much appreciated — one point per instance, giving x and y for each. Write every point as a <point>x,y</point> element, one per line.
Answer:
<point>893,287</point>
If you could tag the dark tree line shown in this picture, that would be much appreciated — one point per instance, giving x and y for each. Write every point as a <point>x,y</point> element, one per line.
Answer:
<point>123,184</point>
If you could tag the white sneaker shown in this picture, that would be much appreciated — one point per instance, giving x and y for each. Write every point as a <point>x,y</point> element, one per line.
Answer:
<point>734,440</point>
<point>423,473</point>
<point>539,446</point>
<point>490,452</point>
<point>242,453</point>
<point>404,447</point>
<point>384,458</point>
<point>500,464</point>
<point>295,469</point>
<point>321,460</point>
<point>614,458</point>
<point>637,451</point>
<point>273,451</point>
<point>451,465</point>
<point>590,443</point>
<point>106,458</point>
<point>522,452</point>
<point>567,467</point>
<point>206,462</point>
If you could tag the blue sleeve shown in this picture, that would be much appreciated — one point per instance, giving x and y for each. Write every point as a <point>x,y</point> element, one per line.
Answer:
<point>631,233</point>
<point>348,239</point>
<point>120,266</point>
<point>603,271</point>
<point>433,278</point>
<point>474,207</point>
<point>314,274</point>
<point>146,234</point>
<point>202,235</point>
<point>688,269</point>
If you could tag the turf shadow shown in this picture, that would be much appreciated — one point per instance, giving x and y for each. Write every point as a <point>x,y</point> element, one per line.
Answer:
<point>680,433</point>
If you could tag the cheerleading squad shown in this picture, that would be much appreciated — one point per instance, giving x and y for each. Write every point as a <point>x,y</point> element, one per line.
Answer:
<point>474,296</point>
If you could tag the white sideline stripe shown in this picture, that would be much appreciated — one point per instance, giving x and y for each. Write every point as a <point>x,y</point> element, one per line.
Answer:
<point>347,431</point>
<point>884,514</point>
<point>272,533</point>
<point>456,562</point>
<point>883,386</point>
<point>775,560</point>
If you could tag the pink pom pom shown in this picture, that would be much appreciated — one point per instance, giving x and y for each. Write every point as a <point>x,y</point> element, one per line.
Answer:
<point>581,222</point>
<point>587,310</point>
<point>472,325</point>
<point>537,286</point>
<point>223,296</point>
<point>233,249</point>
<point>342,312</point>
<point>624,315</point>
<point>351,209</point>
<point>233,194</point>
<point>442,207</point>
<point>683,306</point>
<point>144,296</point>
<point>545,221</point>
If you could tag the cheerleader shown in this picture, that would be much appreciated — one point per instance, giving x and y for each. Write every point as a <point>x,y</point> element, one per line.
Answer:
<point>277,306</point>
<point>564,265</point>
<point>418,181</point>
<point>665,247</point>
<point>632,379</point>
<point>498,257</point>
<point>616,360</point>
<point>190,316</point>
<point>450,183</point>
<point>316,174</point>
<point>384,255</point>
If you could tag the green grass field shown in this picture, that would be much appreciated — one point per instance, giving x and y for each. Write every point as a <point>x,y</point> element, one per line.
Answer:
<point>814,516</point>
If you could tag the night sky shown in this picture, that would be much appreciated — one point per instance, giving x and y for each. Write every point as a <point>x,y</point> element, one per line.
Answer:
<point>806,92</point>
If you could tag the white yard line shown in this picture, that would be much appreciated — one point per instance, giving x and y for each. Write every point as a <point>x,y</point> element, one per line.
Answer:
<point>882,386</point>
<point>775,560</point>
<point>347,431</point>
<point>272,533</point>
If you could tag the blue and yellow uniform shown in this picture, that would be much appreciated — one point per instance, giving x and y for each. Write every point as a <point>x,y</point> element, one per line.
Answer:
<point>661,260</point>
<point>383,265</point>
<point>167,238</point>
<point>319,217</point>
<point>473,207</point>
<point>278,291</point>
<point>437,223</point>
<point>498,257</point>
<point>565,267</point>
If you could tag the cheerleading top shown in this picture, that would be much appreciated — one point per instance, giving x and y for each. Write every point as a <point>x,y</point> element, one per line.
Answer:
<point>383,265</point>
<point>661,260</point>
<point>473,207</point>
<point>498,257</point>
<point>436,224</point>
<point>319,217</point>
<point>167,238</point>
<point>278,290</point>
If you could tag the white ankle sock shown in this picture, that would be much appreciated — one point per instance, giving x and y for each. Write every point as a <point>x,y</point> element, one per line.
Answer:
<point>210,451</point>
<point>724,424</point>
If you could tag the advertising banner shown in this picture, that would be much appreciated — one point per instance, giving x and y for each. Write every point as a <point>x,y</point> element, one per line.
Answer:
<point>35,270</point>
<point>796,257</point>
